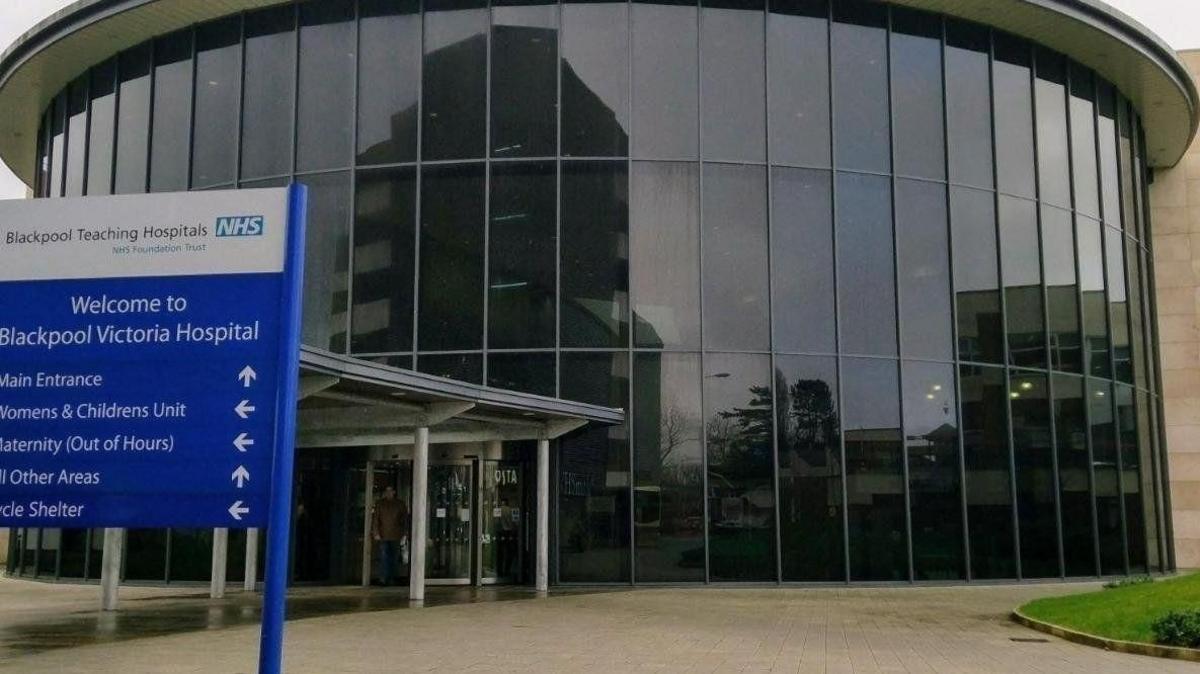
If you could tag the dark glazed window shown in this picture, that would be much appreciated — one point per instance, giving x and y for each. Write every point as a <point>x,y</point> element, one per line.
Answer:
<point>389,76</point>
<point>1013,102</point>
<point>524,80</point>
<point>1095,306</point>
<point>665,81</point>
<point>1107,489</point>
<point>1137,352</point>
<point>1033,453</point>
<point>58,140</point>
<point>923,253</point>
<point>100,128</point>
<point>860,76</point>
<point>968,103</point>
<point>735,275</point>
<point>268,90</point>
<point>1083,142</point>
<point>808,433</point>
<point>798,61</point>
<point>454,78</point>
<point>664,237</point>
<point>133,121</point>
<point>466,367</point>
<point>668,490</point>
<point>741,496</point>
<point>1148,484</point>
<point>450,295</point>
<point>1110,177</point>
<point>874,469</point>
<point>1062,289</point>
<point>42,178</point>
<point>1074,475</point>
<point>1053,167</point>
<point>521,256</point>
<point>595,79</point>
<point>324,117</point>
<point>525,372</point>
<point>866,281</point>
<point>218,88</point>
<point>1118,304</point>
<point>1021,269</point>
<point>1125,146</point>
<point>172,112</point>
<point>593,489</point>
<point>594,281</point>
<point>931,448</point>
<point>326,257</point>
<point>916,69</point>
<point>976,276</point>
<point>77,99</point>
<point>986,460</point>
<point>384,257</point>
<point>802,283</point>
<point>1131,478</point>
<point>734,85</point>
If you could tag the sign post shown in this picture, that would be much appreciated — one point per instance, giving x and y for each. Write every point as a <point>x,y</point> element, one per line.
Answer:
<point>149,356</point>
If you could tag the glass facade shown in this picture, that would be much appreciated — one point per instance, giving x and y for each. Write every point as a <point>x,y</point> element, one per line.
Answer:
<point>871,282</point>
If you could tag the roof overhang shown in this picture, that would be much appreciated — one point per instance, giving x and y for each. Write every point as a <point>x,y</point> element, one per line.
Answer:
<point>45,59</point>
<point>348,402</point>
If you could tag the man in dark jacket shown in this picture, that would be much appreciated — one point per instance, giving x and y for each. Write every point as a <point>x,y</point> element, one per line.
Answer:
<point>389,528</point>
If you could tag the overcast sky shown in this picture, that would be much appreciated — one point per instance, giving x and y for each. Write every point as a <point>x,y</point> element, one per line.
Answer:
<point>1176,21</point>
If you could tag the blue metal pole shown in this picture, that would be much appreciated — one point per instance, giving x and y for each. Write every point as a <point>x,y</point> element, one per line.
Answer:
<point>279,524</point>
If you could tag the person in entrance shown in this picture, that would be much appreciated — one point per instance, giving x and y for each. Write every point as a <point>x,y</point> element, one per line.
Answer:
<point>389,528</point>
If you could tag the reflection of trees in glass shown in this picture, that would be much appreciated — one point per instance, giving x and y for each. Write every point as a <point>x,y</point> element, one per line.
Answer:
<point>739,439</point>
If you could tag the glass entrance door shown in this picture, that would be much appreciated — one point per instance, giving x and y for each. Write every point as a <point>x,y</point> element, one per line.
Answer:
<point>448,555</point>
<point>501,520</point>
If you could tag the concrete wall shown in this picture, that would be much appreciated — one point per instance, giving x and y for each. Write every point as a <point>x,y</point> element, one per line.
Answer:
<point>1175,218</point>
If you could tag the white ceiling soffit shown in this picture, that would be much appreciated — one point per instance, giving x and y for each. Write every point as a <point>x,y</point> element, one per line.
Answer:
<point>1123,51</point>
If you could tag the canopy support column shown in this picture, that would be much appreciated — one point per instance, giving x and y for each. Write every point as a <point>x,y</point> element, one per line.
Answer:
<point>110,568</point>
<point>420,521</point>
<point>368,513</point>
<point>542,574</point>
<point>220,549</point>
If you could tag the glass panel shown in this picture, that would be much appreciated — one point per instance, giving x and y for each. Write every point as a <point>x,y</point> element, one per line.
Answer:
<point>1095,306</point>
<point>324,120</point>
<point>525,372</point>
<point>1137,354</point>
<point>522,266</point>
<point>741,496</point>
<point>917,98</point>
<point>1125,145</point>
<point>1074,476</point>
<point>1131,479</point>
<point>146,554</point>
<point>665,81</point>
<point>1062,289</point>
<point>74,544</point>
<point>1148,486</point>
<point>450,293</point>
<point>1107,488</point>
<point>968,103</point>
<point>1110,178</point>
<point>860,73</point>
<point>77,98</point>
<point>593,464</point>
<point>931,446</point>
<point>172,112</point>
<point>734,83</point>
<point>1054,169</point>
<point>664,238</point>
<point>986,458</point>
<point>1021,268</point>
<point>57,143</point>
<point>668,463</point>
<point>326,258</point>
<point>802,283</point>
<point>874,470</point>
<point>1118,304</point>
<point>191,554</point>
<point>268,92</point>
<point>384,261</point>
<point>466,367</point>
<point>389,76</point>
<point>924,264</point>
<point>524,81</point>
<point>1033,451</point>
<point>218,87</point>
<point>1083,142</point>
<point>808,432</point>
<point>449,550</point>
<point>594,275</point>
<point>133,120</point>
<point>42,179</point>
<point>866,267</point>
<point>976,276</point>
<point>1013,103</point>
<point>736,271</point>
<point>454,81</point>
<point>798,62</point>
<point>100,128</point>
<point>595,79</point>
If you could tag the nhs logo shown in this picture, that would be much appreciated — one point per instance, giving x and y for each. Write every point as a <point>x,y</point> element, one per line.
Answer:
<point>240,225</point>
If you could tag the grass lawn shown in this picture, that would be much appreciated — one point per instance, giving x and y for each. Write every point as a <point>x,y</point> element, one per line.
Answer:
<point>1123,613</point>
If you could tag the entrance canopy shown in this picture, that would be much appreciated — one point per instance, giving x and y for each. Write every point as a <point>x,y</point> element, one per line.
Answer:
<point>347,402</point>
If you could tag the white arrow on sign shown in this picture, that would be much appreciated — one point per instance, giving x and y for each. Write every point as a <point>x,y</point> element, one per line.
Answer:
<point>241,476</point>
<point>247,375</point>
<point>244,409</point>
<point>237,510</point>
<point>242,441</point>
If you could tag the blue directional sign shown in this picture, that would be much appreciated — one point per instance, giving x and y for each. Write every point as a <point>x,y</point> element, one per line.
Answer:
<point>140,358</point>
